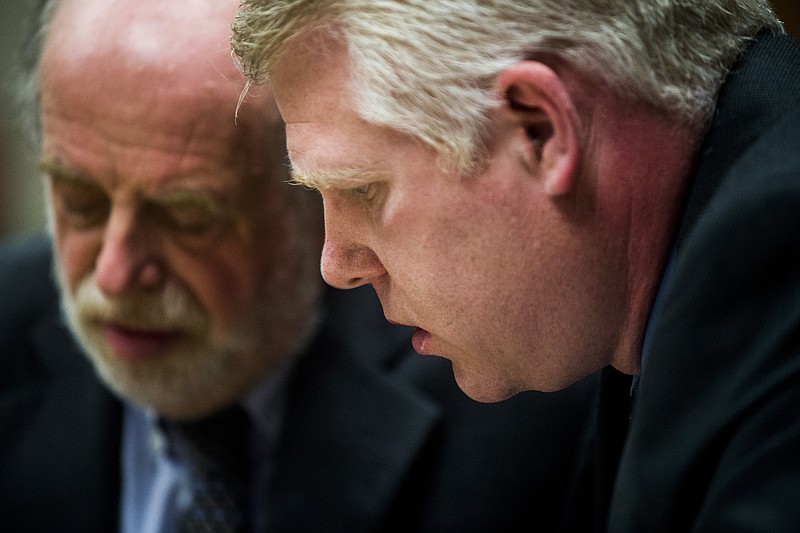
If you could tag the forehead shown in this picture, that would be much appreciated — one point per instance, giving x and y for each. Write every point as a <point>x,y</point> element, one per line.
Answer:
<point>136,41</point>
<point>329,143</point>
<point>311,80</point>
<point>155,78</point>
<point>312,90</point>
<point>152,29</point>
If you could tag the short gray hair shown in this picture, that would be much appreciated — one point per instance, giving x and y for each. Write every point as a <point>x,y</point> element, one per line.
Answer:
<point>427,67</point>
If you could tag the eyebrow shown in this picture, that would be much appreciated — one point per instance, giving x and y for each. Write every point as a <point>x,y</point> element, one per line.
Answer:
<point>183,198</point>
<point>62,173</point>
<point>343,178</point>
<point>59,171</point>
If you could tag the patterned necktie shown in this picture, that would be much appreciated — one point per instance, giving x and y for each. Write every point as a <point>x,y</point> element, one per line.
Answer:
<point>216,451</point>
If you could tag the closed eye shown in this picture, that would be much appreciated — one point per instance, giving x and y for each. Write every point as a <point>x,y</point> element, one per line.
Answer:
<point>193,217</point>
<point>364,190</point>
<point>369,193</point>
<point>84,204</point>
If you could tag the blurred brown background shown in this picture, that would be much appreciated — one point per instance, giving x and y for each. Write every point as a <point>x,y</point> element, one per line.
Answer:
<point>789,13</point>
<point>21,202</point>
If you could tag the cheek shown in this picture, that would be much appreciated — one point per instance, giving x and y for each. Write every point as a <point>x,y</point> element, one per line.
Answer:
<point>477,256</point>
<point>76,253</point>
<point>424,241</point>
<point>225,281</point>
<point>217,283</point>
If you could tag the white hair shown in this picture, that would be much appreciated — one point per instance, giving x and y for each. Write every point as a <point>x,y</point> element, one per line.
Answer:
<point>428,67</point>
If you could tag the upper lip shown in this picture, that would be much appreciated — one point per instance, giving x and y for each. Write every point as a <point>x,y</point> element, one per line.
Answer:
<point>398,323</point>
<point>392,320</point>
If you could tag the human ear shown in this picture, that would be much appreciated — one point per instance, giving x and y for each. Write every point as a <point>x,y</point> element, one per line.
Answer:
<point>544,113</point>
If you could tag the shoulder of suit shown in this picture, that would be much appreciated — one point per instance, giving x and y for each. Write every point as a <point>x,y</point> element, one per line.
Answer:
<point>26,276</point>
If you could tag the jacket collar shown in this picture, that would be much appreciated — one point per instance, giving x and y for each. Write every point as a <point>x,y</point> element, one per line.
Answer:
<point>748,104</point>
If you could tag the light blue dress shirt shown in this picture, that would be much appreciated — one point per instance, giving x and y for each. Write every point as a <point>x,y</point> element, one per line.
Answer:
<point>155,486</point>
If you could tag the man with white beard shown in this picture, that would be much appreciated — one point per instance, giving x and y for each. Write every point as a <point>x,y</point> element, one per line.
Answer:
<point>189,273</point>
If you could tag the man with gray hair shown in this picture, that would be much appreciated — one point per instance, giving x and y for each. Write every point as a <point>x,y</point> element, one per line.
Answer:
<point>216,384</point>
<point>548,188</point>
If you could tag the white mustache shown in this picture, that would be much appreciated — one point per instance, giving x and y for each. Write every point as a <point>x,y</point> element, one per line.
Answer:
<point>167,310</point>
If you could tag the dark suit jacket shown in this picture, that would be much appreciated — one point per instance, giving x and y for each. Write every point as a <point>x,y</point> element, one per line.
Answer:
<point>376,438</point>
<point>714,442</point>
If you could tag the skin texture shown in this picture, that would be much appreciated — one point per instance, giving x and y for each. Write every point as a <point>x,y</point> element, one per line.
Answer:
<point>531,274</point>
<point>185,271</point>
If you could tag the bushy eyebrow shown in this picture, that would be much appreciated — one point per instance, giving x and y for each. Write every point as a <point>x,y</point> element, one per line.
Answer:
<point>345,178</point>
<point>62,173</point>
<point>56,169</point>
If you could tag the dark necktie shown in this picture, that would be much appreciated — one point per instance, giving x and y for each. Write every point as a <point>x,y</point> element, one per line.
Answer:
<point>216,451</point>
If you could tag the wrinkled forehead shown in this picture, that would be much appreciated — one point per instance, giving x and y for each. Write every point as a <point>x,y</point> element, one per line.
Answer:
<point>148,73</point>
<point>174,53</point>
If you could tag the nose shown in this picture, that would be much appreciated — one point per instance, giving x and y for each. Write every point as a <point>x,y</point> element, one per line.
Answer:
<point>347,267</point>
<point>348,261</point>
<point>127,260</point>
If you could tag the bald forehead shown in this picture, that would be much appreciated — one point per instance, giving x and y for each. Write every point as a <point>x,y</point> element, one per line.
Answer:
<point>164,66</point>
<point>177,49</point>
<point>147,31</point>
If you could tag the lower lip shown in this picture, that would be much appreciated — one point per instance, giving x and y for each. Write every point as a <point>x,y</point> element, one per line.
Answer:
<point>137,344</point>
<point>420,340</point>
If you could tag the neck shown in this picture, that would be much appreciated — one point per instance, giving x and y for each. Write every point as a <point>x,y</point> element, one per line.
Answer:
<point>645,164</point>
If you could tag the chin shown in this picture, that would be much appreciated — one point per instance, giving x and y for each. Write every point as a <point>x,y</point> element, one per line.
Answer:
<point>483,389</point>
<point>182,384</point>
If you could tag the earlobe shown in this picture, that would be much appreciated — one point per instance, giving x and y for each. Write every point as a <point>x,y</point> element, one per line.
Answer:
<point>544,113</point>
